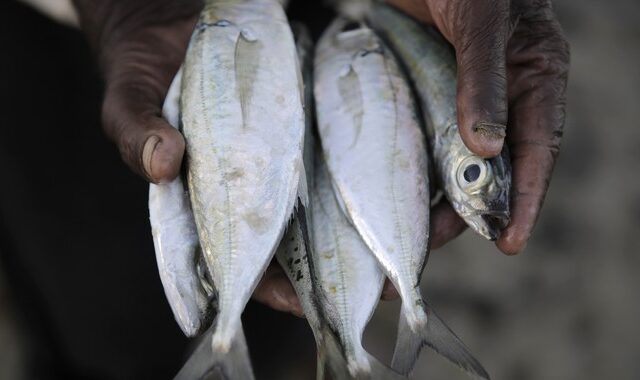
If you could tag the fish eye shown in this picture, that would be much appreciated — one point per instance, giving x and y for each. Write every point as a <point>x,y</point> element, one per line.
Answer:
<point>471,173</point>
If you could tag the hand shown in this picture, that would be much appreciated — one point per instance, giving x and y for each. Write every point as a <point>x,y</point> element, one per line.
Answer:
<point>140,45</point>
<point>513,62</point>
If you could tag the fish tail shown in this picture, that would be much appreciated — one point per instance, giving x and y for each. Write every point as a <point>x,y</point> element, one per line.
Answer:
<point>331,357</point>
<point>229,361</point>
<point>320,367</point>
<point>334,362</point>
<point>380,371</point>
<point>439,337</point>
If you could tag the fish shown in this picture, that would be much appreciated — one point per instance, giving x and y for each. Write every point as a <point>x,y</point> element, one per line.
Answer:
<point>175,238</point>
<point>304,50</point>
<point>477,188</point>
<point>348,283</point>
<point>187,284</point>
<point>377,158</point>
<point>243,121</point>
<point>292,253</point>
<point>326,286</point>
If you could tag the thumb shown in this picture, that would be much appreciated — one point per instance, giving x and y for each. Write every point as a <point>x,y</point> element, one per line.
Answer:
<point>478,30</point>
<point>132,118</point>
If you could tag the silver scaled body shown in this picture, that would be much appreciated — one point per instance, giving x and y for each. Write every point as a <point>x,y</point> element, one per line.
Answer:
<point>176,243</point>
<point>375,152</point>
<point>477,188</point>
<point>243,122</point>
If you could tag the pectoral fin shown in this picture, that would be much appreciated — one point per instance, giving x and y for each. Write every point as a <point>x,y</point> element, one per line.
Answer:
<point>351,95</point>
<point>246,58</point>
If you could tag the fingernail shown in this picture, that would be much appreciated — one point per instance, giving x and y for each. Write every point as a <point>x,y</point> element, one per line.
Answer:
<point>147,154</point>
<point>491,137</point>
<point>491,131</point>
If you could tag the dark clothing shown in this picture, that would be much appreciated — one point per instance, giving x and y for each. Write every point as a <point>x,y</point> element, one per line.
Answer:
<point>75,239</point>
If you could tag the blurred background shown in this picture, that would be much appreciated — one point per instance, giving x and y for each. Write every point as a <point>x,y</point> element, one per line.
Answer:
<point>566,308</point>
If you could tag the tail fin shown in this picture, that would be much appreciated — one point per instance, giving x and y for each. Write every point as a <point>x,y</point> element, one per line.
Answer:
<point>333,363</point>
<point>331,358</point>
<point>439,337</point>
<point>205,362</point>
<point>381,371</point>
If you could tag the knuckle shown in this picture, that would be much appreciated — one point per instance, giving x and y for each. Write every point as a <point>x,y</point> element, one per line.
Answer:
<point>481,24</point>
<point>480,40</point>
<point>538,36</point>
<point>121,125</point>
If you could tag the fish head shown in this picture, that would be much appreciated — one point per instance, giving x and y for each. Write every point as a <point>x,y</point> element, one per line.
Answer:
<point>481,192</point>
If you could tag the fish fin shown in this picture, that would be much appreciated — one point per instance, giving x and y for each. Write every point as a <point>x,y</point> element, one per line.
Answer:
<point>320,368</point>
<point>333,362</point>
<point>351,94</point>
<point>205,361</point>
<point>408,346</point>
<point>303,188</point>
<point>380,371</point>
<point>246,60</point>
<point>331,357</point>
<point>439,337</point>
<point>338,197</point>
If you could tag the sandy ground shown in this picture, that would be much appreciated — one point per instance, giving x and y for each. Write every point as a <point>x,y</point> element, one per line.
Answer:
<point>567,308</point>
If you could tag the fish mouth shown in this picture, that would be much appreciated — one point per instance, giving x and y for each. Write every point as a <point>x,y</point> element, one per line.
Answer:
<point>493,224</point>
<point>488,224</point>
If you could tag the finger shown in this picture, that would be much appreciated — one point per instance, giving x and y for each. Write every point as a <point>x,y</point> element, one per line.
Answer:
<point>445,224</point>
<point>138,70</point>
<point>389,291</point>
<point>132,119</point>
<point>275,290</point>
<point>478,30</point>
<point>539,60</point>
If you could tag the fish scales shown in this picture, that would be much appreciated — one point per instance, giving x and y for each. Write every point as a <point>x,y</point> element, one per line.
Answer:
<point>243,122</point>
<point>348,277</point>
<point>477,188</point>
<point>338,285</point>
<point>295,247</point>
<point>379,165</point>
<point>379,175</point>
<point>176,242</point>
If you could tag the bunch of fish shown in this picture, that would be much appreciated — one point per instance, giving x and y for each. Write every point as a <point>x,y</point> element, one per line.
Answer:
<point>340,214</point>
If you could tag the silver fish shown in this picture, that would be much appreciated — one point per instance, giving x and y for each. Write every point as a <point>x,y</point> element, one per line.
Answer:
<point>293,252</point>
<point>243,122</point>
<point>337,300</point>
<point>176,242</point>
<point>477,188</point>
<point>188,288</point>
<point>377,158</point>
<point>304,49</point>
<point>348,283</point>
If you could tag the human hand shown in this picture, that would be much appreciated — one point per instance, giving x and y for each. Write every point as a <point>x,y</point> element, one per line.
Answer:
<point>140,45</point>
<point>513,62</point>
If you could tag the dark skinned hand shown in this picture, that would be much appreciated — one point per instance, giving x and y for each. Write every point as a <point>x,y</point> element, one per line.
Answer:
<point>140,45</point>
<point>513,63</point>
<point>509,53</point>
